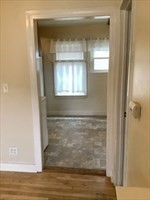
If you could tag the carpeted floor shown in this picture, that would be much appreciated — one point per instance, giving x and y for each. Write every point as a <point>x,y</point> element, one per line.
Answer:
<point>76,142</point>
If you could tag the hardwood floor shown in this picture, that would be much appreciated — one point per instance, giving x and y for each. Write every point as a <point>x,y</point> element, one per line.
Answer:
<point>94,172</point>
<point>53,185</point>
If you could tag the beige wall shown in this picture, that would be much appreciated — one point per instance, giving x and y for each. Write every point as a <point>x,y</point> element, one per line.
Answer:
<point>95,103</point>
<point>138,153</point>
<point>16,111</point>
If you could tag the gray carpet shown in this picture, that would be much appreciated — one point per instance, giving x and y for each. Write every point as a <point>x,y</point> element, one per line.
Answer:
<point>76,142</point>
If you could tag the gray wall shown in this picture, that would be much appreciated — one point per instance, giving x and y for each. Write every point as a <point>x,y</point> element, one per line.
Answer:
<point>95,103</point>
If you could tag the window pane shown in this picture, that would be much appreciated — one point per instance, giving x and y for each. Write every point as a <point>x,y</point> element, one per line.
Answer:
<point>70,56</point>
<point>101,64</point>
<point>101,54</point>
<point>70,78</point>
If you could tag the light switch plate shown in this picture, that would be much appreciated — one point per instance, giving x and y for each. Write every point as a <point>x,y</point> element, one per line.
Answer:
<point>5,88</point>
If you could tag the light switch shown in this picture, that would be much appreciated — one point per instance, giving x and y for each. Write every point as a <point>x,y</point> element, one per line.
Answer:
<point>5,88</point>
<point>135,108</point>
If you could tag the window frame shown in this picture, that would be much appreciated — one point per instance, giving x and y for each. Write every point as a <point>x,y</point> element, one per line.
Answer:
<point>92,58</point>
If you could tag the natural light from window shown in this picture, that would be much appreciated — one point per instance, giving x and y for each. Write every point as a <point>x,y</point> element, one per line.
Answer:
<point>101,60</point>
<point>69,67</point>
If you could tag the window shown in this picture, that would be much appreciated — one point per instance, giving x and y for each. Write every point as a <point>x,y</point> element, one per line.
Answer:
<point>101,61</point>
<point>100,56</point>
<point>70,68</point>
<point>70,78</point>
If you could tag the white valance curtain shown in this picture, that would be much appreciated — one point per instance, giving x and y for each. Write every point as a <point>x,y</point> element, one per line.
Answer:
<point>59,46</point>
<point>98,45</point>
<point>62,46</point>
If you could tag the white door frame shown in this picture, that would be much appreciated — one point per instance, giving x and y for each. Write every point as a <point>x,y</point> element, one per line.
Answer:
<point>126,58</point>
<point>130,63</point>
<point>123,84</point>
<point>113,80</point>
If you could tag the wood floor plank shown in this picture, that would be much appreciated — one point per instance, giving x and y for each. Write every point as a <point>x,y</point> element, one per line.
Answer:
<point>50,185</point>
<point>68,187</point>
<point>72,192</point>
<point>16,197</point>
<point>93,172</point>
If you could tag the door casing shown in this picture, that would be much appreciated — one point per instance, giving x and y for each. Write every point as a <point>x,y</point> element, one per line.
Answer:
<point>113,114</point>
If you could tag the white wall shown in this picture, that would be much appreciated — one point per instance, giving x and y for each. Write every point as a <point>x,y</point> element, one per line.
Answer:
<point>16,108</point>
<point>95,103</point>
<point>138,143</point>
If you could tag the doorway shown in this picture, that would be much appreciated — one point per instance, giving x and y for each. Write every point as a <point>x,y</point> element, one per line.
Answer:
<point>113,79</point>
<point>75,90</point>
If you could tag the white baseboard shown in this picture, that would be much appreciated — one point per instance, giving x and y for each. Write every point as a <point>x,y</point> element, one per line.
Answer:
<point>77,113</point>
<point>17,167</point>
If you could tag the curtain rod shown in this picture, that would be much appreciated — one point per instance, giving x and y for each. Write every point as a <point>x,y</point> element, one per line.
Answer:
<point>74,39</point>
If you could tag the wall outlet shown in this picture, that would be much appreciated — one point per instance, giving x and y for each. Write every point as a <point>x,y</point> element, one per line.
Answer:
<point>13,151</point>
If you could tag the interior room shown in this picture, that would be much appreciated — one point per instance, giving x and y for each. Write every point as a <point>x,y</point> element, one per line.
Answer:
<point>44,117</point>
<point>73,66</point>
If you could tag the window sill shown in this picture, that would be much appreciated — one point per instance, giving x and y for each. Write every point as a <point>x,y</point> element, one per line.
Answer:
<point>70,94</point>
<point>99,71</point>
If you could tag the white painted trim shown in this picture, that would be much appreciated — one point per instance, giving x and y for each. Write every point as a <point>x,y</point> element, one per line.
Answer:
<point>113,100</point>
<point>129,91</point>
<point>121,106</point>
<point>34,93</point>
<point>76,113</point>
<point>17,167</point>
<point>113,77</point>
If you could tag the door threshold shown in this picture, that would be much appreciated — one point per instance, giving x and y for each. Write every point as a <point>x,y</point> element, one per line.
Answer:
<point>94,172</point>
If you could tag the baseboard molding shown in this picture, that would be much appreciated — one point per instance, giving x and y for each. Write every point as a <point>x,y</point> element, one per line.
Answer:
<point>17,167</point>
<point>76,113</point>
